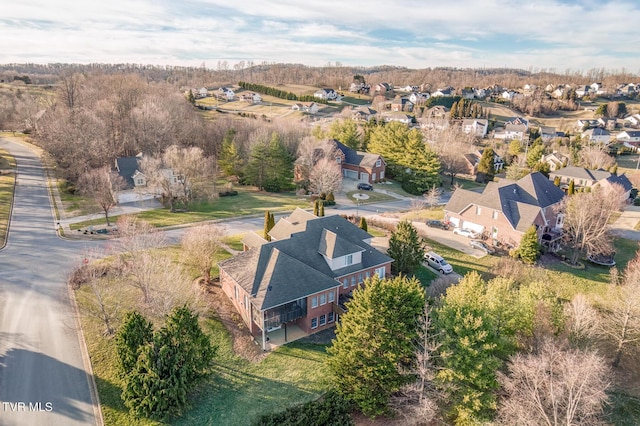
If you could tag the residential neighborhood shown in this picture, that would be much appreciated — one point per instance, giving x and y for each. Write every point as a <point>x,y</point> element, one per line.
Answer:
<point>275,240</point>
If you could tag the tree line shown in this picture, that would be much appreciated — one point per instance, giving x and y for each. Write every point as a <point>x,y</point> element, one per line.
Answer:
<point>282,94</point>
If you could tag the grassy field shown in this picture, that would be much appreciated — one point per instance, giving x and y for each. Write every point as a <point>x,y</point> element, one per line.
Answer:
<point>238,390</point>
<point>247,202</point>
<point>7,181</point>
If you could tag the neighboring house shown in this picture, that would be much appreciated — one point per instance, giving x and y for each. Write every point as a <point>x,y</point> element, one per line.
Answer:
<point>633,120</point>
<point>129,169</point>
<point>632,137</point>
<point>325,93</point>
<point>357,165</point>
<point>511,132</point>
<point>252,98</point>
<point>468,93</point>
<point>447,91</point>
<point>436,111</point>
<point>585,178</point>
<point>505,210</point>
<point>607,123</point>
<point>547,133</point>
<point>226,92</point>
<point>585,124</point>
<point>596,135</point>
<point>297,282</point>
<point>508,95</point>
<point>399,117</point>
<point>475,126</point>
<point>582,91</point>
<point>363,113</point>
<point>383,87</point>
<point>401,103</point>
<point>480,93</point>
<point>311,107</point>
<point>518,121</point>
<point>418,97</point>
<point>555,160</point>
<point>473,159</point>
<point>408,88</point>
<point>202,92</point>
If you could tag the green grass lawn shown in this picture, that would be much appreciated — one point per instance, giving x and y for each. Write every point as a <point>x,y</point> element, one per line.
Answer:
<point>73,203</point>
<point>356,101</point>
<point>7,162</point>
<point>245,203</point>
<point>238,390</point>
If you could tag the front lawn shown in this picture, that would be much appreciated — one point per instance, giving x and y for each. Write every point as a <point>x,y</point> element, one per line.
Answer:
<point>374,197</point>
<point>247,202</point>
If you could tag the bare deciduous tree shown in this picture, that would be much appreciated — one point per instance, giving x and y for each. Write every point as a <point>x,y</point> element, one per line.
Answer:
<point>451,144</point>
<point>101,301</point>
<point>179,174</point>
<point>554,387</point>
<point>620,312</point>
<point>432,196</point>
<point>582,320</point>
<point>102,185</point>
<point>199,246</point>
<point>595,156</point>
<point>586,220</point>
<point>418,401</point>
<point>326,176</point>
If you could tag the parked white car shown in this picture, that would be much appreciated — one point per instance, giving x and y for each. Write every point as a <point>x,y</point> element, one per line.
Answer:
<point>438,263</point>
<point>466,233</point>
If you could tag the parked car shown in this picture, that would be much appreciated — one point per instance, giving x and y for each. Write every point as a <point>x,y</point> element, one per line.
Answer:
<point>466,232</point>
<point>438,263</point>
<point>481,245</point>
<point>438,224</point>
<point>365,186</point>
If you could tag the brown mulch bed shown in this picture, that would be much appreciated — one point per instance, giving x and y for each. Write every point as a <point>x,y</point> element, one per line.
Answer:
<point>244,345</point>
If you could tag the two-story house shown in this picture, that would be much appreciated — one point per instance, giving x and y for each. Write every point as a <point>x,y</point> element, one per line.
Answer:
<point>325,93</point>
<point>296,281</point>
<point>505,210</point>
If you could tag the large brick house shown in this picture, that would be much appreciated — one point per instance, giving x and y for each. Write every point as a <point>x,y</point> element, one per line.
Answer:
<point>298,278</point>
<point>505,210</point>
<point>358,165</point>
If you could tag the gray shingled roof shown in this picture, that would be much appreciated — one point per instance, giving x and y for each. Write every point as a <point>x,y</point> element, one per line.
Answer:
<point>295,222</point>
<point>621,180</point>
<point>519,201</point>
<point>357,158</point>
<point>333,246</point>
<point>126,167</point>
<point>286,270</point>
<point>582,173</point>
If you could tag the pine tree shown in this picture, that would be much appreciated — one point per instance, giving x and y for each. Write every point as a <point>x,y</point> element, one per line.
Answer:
<point>133,334</point>
<point>230,161</point>
<point>267,220</point>
<point>406,248</point>
<point>572,188</point>
<point>321,210</point>
<point>486,165</point>
<point>363,224</point>
<point>556,181</point>
<point>374,341</point>
<point>316,208</point>
<point>529,248</point>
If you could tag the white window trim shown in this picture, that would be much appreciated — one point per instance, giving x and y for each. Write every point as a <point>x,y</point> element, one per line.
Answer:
<point>320,320</point>
<point>323,299</point>
<point>314,302</point>
<point>316,320</point>
<point>332,297</point>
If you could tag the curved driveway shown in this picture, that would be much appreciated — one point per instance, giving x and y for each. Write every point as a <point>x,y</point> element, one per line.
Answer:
<point>43,379</point>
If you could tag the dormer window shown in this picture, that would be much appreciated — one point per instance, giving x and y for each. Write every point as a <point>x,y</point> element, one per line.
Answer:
<point>348,260</point>
<point>378,163</point>
<point>338,159</point>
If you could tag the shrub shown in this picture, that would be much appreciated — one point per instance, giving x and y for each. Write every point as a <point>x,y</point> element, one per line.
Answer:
<point>332,409</point>
<point>228,193</point>
<point>636,202</point>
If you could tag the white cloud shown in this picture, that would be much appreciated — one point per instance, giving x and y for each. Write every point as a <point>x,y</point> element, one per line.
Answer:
<point>467,33</point>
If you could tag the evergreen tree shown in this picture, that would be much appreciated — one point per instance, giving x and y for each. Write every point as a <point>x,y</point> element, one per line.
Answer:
<point>572,187</point>
<point>346,131</point>
<point>135,332</point>
<point>321,210</point>
<point>406,248</point>
<point>486,165</point>
<point>230,160</point>
<point>270,165</point>
<point>535,155</point>
<point>316,207</point>
<point>167,367</point>
<point>529,248</point>
<point>374,341</point>
<point>556,181</point>
<point>363,224</point>
<point>267,222</point>
<point>256,170</point>
<point>190,98</point>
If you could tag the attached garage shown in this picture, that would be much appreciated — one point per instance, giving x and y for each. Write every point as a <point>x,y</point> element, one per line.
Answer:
<point>473,227</point>
<point>364,177</point>
<point>455,221</point>
<point>350,174</point>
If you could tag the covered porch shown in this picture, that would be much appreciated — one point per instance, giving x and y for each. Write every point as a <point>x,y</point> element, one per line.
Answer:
<point>285,334</point>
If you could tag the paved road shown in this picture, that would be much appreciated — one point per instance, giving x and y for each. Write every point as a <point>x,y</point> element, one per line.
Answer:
<point>43,379</point>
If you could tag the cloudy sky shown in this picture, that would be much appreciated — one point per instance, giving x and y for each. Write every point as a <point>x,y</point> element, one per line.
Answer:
<point>551,34</point>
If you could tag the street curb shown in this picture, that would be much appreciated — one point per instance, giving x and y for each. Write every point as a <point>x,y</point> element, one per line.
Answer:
<point>13,196</point>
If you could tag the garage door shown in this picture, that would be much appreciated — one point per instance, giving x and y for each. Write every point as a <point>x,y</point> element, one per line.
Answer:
<point>351,174</point>
<point>364,177</point>
<point>455,221</point>
<point>473,226</point>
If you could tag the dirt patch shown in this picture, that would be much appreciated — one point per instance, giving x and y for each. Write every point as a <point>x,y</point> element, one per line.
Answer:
<point>244,345</point>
